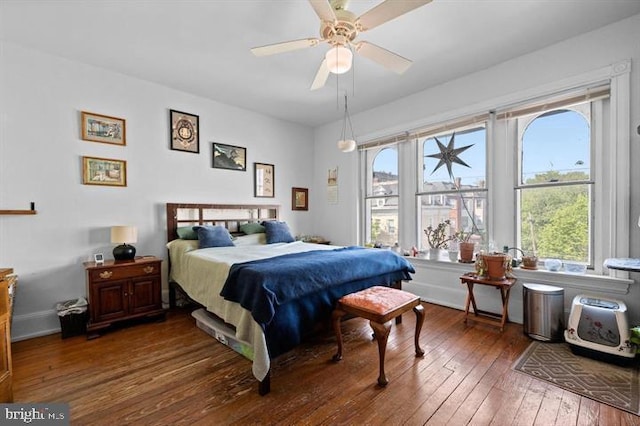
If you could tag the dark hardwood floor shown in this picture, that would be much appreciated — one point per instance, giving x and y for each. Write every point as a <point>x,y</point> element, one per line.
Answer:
<point>166,373</point>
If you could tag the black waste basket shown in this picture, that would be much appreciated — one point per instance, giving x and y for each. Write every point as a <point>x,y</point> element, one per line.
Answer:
<point>73,317</point>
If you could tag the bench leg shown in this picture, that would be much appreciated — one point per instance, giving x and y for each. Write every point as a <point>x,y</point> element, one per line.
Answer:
<point>419,310</point>
<point>381,332</point>
<point>336,316</point>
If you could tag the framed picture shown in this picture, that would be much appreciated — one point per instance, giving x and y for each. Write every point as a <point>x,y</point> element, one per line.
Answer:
<point>299,199</point>
<point>104,171</point>
<point>184,131</point>
<point>264,176</point>
<point>102,128</point>
<point>229,157</point>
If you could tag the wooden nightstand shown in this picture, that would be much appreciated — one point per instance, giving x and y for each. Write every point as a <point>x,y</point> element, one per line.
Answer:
<point>123,290</point>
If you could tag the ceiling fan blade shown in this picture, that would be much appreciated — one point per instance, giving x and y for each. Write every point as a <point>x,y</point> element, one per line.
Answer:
<point>287,46</point>
<point>384,57</point>
<point>386,11</point>
<point>321,76</point>
<point>324,10</point>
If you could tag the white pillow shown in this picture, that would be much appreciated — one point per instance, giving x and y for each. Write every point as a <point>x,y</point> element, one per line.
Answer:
<point>251,239</point>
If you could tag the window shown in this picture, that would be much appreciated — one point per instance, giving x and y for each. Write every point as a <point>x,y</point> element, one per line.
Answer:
<point>555,191</point>
<point>381,201</point>
<point>458,193</point>
<point>548,172</point>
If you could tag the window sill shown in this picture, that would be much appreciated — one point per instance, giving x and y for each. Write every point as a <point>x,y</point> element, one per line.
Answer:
<point>586,282</point>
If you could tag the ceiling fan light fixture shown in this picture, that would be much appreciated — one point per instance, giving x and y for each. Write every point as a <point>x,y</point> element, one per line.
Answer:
<point>339,59</point>
<point>347,145</point>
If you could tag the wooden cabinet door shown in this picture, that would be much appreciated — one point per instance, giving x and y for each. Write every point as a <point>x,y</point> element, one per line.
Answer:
<point>6,374</point>
<point>110,300</point>
<point>6,386</point>
<point>145,295</point>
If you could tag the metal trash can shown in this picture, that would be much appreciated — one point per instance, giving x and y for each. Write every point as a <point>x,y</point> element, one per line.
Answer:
<point>543,312</point>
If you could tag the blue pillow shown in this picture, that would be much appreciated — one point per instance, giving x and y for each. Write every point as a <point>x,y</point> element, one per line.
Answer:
<point>213,236</point>
<point>187,233</point>
<point>277,232</point>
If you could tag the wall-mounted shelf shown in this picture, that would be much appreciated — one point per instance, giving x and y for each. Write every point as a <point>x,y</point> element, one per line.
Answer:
<point>18,212</point>
<point>32,210</point>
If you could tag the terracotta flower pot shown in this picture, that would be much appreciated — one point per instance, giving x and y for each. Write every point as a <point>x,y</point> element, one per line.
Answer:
<point>496,265</point>
<point>466,252</point>
<point>530,262</point>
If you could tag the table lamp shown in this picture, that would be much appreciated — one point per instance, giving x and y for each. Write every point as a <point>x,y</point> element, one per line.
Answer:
<point>124,235</point>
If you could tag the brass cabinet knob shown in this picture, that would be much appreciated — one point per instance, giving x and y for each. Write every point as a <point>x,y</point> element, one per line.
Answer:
<point>106,274</point>
<point>148,269</point>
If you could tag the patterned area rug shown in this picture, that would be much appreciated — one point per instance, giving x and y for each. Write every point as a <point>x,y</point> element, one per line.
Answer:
<point>601,381</point>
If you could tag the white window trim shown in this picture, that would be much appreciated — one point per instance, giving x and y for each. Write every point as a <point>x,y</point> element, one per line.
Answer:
<point>612,189</point>
<point>595,140</point>
<point>611,163</point>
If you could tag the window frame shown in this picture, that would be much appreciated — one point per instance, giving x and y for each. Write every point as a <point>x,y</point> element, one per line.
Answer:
<point>420,191</point>
<point>368,157</point>
<point>586,110</point>
<point>611,160</point>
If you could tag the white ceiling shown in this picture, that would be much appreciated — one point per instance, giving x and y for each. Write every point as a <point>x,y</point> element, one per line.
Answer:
<point>202,47</point>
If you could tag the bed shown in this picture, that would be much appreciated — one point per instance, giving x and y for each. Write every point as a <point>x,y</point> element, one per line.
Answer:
<point>266,292</point>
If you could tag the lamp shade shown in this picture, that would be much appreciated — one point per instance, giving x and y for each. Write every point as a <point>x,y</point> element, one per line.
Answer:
<point>346,145</point>
<point>124,234</point>
<point>339,59</point>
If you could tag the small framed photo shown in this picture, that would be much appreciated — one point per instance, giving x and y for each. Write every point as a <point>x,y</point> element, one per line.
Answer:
<point>299,199</point>
<point>104,171</point>
<point>102,128</point>
<point>229,157</point>
<point>99,258</point>
<point>264,177</point>
<point>185,132</point>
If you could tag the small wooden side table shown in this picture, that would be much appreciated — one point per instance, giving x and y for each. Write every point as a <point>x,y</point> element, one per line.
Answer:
<point>470,279</point>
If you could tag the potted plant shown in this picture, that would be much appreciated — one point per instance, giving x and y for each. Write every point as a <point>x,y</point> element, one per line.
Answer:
<point>635,338</point>
<point>529,261</point>
<point>497,265</point>
<point>465,246</point>
<point>438,238</point>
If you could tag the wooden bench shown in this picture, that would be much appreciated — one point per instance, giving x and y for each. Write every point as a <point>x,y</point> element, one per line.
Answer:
<point>379,305</point>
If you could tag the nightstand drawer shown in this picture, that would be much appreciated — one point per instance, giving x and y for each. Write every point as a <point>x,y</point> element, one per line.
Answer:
<point>120,272</point>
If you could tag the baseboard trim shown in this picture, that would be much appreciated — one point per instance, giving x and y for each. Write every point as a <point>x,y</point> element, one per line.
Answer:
<point>35,324</point>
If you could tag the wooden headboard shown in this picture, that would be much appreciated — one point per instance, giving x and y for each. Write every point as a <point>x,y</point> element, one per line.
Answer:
<point>231,216</point>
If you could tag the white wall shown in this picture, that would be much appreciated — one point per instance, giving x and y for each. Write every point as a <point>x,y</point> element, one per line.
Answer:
<point>41,97</point>
<point>480,92</point>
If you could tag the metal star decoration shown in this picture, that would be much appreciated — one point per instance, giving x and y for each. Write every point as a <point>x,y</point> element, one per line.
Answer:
<point>449,155</point>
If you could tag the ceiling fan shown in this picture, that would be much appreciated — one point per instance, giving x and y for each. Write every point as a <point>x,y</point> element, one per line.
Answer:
<point>339,28</point>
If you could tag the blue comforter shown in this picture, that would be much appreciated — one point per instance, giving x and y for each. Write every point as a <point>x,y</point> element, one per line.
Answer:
<point>287,295</point>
